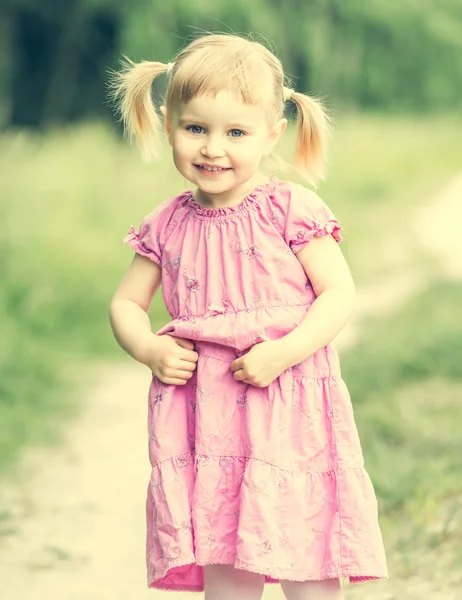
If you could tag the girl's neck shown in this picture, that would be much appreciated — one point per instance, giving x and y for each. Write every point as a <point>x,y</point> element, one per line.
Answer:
<point>232,197</point>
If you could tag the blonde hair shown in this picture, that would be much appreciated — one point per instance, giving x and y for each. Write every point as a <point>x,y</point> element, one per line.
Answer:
<point>207,65</point>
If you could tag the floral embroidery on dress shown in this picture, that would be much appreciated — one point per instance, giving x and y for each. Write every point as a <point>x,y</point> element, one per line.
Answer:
<point>156,482</point>
<point>235,245</point>
<point>257,339</point>
<point>277,215</point>
<point>283,484</point>
<point>202,460</point>
<point>266,546</point>
<point>242,400</point>
<point>175,262</point>
<point>325,500</point>
<point>157,398</point>
<point>184,526</point>
<point>313,420</point>
<point>193,284</point>
<point>167,553</point>
<point>203,395</point>
<point>255,302</point>
<point>172,267</point>
<point>251,252</point>
<point>226,462</point>
<point>182,461</point>
<point>330,414</point>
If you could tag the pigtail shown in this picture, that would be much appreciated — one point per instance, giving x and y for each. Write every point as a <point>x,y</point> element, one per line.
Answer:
<point>131,91</point>
<point>312,133</point>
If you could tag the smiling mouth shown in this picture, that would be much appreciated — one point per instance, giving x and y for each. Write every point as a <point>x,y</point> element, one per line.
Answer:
<point>212,169</point>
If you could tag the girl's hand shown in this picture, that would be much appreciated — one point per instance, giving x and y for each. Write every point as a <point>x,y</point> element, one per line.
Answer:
<point>261,365</point>
<point>171,359</point>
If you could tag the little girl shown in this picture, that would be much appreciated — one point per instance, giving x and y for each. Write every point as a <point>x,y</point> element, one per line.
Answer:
<point>257,469</point>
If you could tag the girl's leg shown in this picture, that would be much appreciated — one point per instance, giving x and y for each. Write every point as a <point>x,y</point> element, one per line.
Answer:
<point>328,589</point>
<point>224,582</point>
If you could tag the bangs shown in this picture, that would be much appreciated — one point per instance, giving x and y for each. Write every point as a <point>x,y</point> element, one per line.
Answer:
<point>241,72</point>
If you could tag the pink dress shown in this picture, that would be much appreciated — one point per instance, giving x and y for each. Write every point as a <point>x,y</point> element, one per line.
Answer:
<point>271,480</point>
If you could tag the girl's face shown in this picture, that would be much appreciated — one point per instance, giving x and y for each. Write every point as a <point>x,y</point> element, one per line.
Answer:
<point>218,143</point>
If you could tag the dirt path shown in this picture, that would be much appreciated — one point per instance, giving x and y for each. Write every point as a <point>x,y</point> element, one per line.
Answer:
<point>438,226</point>
<point>73,526</point>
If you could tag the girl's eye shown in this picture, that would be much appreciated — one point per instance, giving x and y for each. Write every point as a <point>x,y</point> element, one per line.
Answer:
<point>195,129</point>
<point>236,133</point>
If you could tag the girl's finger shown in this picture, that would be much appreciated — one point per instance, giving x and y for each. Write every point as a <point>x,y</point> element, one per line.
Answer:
<point>182,374</point>
<point>189,356</point>
<point>185,343</point>
<point>178,373</point>
<point>186,366</point>
<point>174,381</point>
<point>236,365</point>
<point>239,375</point>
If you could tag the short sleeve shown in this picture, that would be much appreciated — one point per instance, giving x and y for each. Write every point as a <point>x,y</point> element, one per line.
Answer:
<point>146,240</point>
<point>308,216</point>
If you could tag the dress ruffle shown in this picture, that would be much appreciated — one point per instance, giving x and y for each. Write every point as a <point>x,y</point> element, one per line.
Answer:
<point>227,212</point>
<point>134,240</point>
<point>332,227</point>
<point>243,515</point>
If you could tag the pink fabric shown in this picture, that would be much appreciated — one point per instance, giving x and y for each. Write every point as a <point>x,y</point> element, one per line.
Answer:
<point>272,479</point>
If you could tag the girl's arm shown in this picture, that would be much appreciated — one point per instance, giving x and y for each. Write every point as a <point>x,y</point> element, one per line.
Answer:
<point>130,304</point>
<point>332,282</point>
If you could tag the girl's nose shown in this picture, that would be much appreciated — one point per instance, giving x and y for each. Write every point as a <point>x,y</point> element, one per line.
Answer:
<point>212,148</point>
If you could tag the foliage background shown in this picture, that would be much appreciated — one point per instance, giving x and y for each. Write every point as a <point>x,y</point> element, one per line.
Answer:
<point>380,54</point>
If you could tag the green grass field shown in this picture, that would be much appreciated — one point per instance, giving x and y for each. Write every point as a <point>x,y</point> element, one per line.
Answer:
<point>68,198</point>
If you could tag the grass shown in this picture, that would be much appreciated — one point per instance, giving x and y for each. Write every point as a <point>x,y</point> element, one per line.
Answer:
<point>68,198</point>
<point>406,382</point>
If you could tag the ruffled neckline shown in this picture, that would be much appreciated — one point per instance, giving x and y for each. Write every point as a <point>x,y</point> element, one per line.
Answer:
<point>224,212</point>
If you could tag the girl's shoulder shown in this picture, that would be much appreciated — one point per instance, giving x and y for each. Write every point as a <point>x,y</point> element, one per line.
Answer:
<point>156,227</point>
<point>168,208</point>
<point>288,197</point>
<point>299,213</point>
<point>287,194</point>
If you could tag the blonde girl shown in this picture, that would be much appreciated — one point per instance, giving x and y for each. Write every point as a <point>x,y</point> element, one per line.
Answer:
<point>257,469</point>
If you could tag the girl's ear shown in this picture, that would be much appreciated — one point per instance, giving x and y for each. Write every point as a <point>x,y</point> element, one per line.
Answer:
<point>276,134</point>
<point>163,110</point>
<point>279,129</point>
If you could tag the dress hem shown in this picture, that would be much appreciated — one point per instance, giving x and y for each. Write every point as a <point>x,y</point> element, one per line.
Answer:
<point>354,576</point>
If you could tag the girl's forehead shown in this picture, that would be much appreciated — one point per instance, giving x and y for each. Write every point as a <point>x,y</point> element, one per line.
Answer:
<point>224,105</point>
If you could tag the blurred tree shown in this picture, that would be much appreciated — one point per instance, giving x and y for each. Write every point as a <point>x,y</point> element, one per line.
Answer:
<point>57,54</point>
<point>386,54</point>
